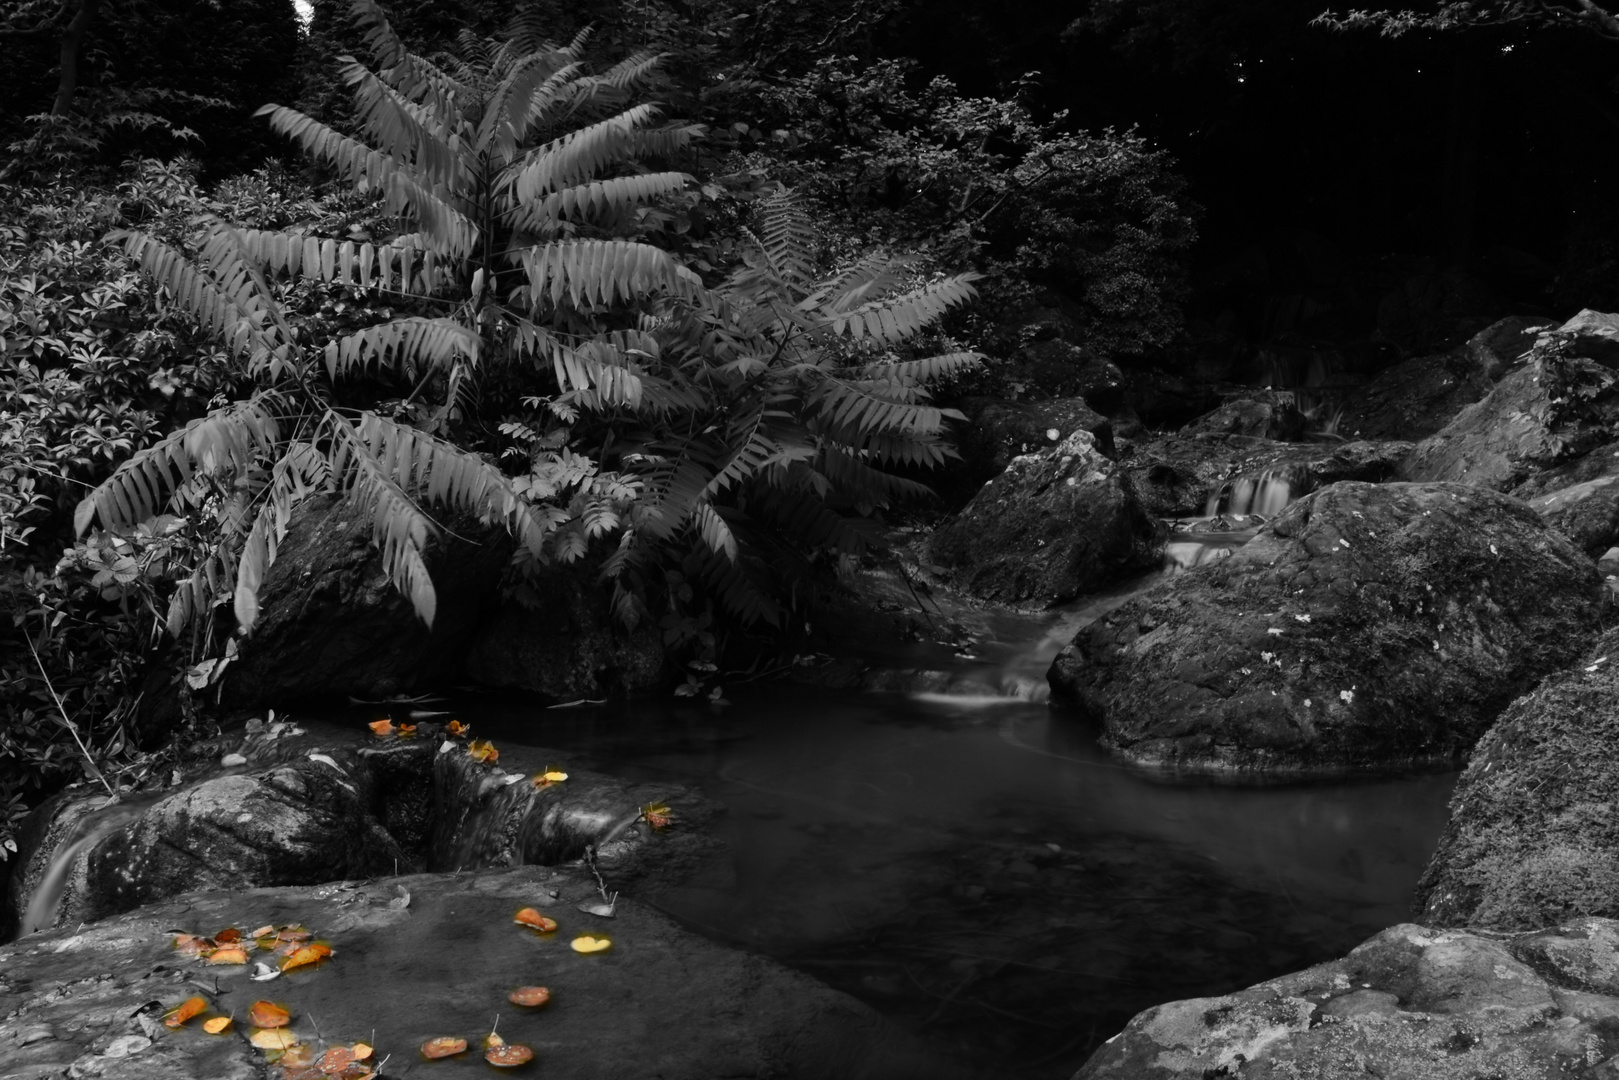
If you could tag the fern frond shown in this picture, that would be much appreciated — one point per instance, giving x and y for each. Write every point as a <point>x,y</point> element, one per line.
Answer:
<point>802,515</point>
<point>399,528</point>
<point>603,272</point>
<point>632,69</point>
<point>856,480</point>
<point>741,588</point>
<point>226,441</point>
<point>242,317</point>
<point>405,345</point>
<point>579,155</point>
<point>300,471</point>
<point>891,320</point>
<point>715,533</point>
<point>851,409</point>
<point>870,278</point>
<point>417,78</point>
<point>672,494</point>
<point>404,130</point>
<point>616,196</point>
<point>787,236</point>
<point>930,369</point>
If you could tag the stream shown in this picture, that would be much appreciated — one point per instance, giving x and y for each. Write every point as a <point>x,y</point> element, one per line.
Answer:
<point>970,862</point>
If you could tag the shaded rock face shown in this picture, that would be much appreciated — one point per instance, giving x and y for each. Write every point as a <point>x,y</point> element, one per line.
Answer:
<point>1502,345</point>
<point>1593,464</point>
<point>660,1001</point>
<point>1532,837</point>
<point>1053,526</point>
<point>1367,627</point>
<point>1179,475</point>
<point>1587,513</point>
<point>1410,1002</point>
<point>1270,414</point>
<point>998,431</point>
<point>332,624</point>
<point>1414,398</point>
<point>564,643</point>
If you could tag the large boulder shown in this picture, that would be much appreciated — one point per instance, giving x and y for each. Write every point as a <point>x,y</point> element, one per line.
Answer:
<point>1053,526</point>
<point>1367,627</point>
<point>419,957</point>
<point>997,431</point>
<point>1414,398</point>
<point>562,643</point>
<point>1587,513</point>
<point>1262,414</point>
<point>1532,837</point>
<point>332,624</point>
<point>1412,1002</point>
<point>1190,475</point>
<point>1502,345</point>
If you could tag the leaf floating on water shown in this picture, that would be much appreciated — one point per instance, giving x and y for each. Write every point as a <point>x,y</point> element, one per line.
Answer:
<point>279,1038</point>
<point>298,1055</point>
<point>267,1014</point>
<point>529,917</point>
<point>551,775</point>
<point>483,750</point>
<point>184,1011</point>
<point>457,728</point>
<point>443,1046</point>
<point>604,908</point>
<point>228,936</point>
<point>217,1026</point>
<point>335,1060</point>
<point>589,943</point>
<point>308,954</point>
<point>384,726</point>
<point>508,1055</point>
<point>230,955</point>
<point>529,995</point>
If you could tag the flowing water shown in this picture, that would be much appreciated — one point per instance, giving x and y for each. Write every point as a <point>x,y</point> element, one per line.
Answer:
<point>972,863</point>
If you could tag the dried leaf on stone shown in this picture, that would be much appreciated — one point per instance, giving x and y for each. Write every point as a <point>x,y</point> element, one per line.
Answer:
<point>605,909</point>
<point>335,1060</point>
<point>298,1055</point>
<point>267,1014</point>
<point>504,1055</point>
<point>529,995</point>
<point>228,936</point>
<point>381,727</point>
<point>483,750</point>
<point>230,955</point>
<point>263,931</point>
<point>551,775</point>
<point>531,918</point>
<point>184,1011</point>
<point>218,1025</point>
<point>443,1046</point>
<point>457,728</point>
<point>590,943</point>
<point>309,954</point>
<point>407,731</point>
<point>656,815</point>
<point>192,945</point>
<point>362,1051</point>
<point>278,1038</point>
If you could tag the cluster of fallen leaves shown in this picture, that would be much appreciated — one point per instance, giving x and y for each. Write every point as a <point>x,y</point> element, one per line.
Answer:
<point>292,946</point>
<point>270,1032</point>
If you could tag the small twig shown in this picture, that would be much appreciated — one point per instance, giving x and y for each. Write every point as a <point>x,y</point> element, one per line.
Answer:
<point>601,886</point>
<point>88,760</point>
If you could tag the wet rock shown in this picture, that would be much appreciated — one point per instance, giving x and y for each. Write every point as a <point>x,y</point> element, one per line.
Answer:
<point>1595,463</point>
<point>1415,398</point>
<point>1587,513</point>
<point>1557,404</point>
<point>1532,837</point>
<point>1265,414</point>
<point>332,624</point>
<point>1367,627</point>
<point>998,431</point>
<point>560,641</point>
<point>1502,345</point>
<point>1410,1002</point>
<point>1053,526</point>
<point>441,965</point>
<point>1180,475</point>
<point>1592,334</point>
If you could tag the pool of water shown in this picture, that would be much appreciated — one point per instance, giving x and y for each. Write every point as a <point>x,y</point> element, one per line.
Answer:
<point>980,869</point>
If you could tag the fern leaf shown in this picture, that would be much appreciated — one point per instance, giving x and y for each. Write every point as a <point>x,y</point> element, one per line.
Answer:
<point>579,155</point>
<point>735,582</point>
<point>399,528</point>
<point>592,273</point>
<point>632,69</point>
<point>404,345</point>
<point>241,317</point>
<point>891,320</point>
<point>930,369</point>
<point>402,129</point>
<point>226,441</point>
<point>417,78</point>
<point>716,534</point>
<point>787,236</point>
<point>603,197</point>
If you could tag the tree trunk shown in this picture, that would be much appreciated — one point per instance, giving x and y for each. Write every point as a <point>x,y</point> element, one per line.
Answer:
<point>72,39</point>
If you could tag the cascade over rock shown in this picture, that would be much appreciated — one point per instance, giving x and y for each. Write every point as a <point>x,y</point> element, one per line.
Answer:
<point>1053,526</point>
<point>1367,627</point>
<point>1532,837</point>
<point>332,624</point>
<point>1410,1002</point>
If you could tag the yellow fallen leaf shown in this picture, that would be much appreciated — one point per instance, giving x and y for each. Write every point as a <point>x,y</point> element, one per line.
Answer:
<point>218,1025</point>
<point>362,1051</point>
<point>548,777</point>
<point>483,750</point>
<point>232,955</point>
<point>272,1038</point>
<point>267,1014</point>
<point>588,943</point>
<point>308,954</point>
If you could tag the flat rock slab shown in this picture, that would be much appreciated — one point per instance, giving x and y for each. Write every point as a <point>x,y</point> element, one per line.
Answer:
<point>1368,627</point>
<point>1532,837</point>
<point>660,1002</point>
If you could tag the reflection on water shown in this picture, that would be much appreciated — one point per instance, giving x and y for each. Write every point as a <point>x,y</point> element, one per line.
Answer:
<point>980,869</point>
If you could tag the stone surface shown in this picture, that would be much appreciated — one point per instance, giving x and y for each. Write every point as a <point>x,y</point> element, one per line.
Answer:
<point>1592,334</point>
<point>1053,526</point>
<point>1597,462</point>
<point>1502,345</point>
<point>1412,1002</point>
<point>998,431</point>
<point>563,644</point>
<point>1178,475</point>
<point>332,624</point>
<point>1414,398</point>
<point>1367,627</point>
<point>1586,513</point>
<point>1260,414</point>
<point>1532,837</point>
<point>424,956</point>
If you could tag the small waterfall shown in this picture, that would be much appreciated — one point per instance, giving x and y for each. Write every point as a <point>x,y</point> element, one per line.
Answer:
<point>42,912</point>
<point>1265,496</point>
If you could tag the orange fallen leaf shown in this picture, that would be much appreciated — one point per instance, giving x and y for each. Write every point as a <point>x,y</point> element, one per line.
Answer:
<point>267,1014</point>
<point>192,945</point>
<point>656,815</point>
<point>551,775</point>
<point>529,995</point>
<point>443,1046</point>
<point>218,1025</point>
<point>293,933</point>
<point>228,936</point>
<point>457,728</point>
<point>406,731</point>
<point>231,955</point>
<point>588,943</point>
<point>335,1060</point>
<point>362,1051</point>
<point>184,1011</point>
<point>308,954</point>
<point>507,1055</point>
<point>279,1038</point>
<point>384,726</point>
<point>529,917</point>
<point>483,750</point>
